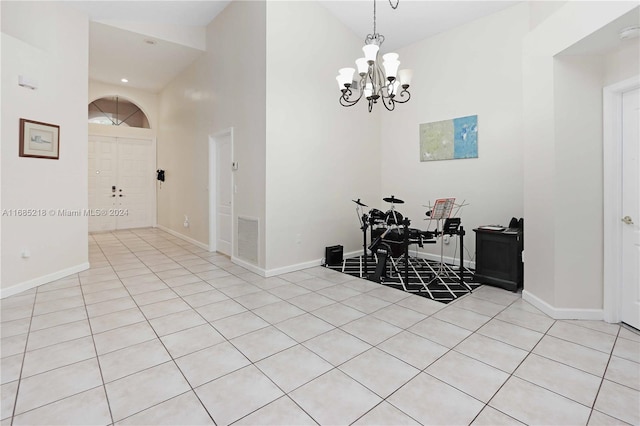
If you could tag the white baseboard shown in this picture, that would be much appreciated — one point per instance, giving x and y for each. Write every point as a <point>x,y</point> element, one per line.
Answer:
<point>317,262</point>
<point>250,266</point>
<point>28,285</point>
<point>563,313</point>
<point>421,255</point>
<point>183,237</point>
<point>351,254</point>
<point>277,271</point>
<point>293,268</point>
<point>447,259</point>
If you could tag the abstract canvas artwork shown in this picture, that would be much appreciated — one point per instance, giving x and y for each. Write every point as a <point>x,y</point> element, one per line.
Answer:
<point>449,139</point>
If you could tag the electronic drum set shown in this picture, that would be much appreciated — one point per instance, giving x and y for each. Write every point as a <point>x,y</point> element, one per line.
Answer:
<point>391,237</point>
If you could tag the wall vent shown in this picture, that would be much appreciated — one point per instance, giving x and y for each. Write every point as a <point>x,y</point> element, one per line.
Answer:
<point>248,237</point>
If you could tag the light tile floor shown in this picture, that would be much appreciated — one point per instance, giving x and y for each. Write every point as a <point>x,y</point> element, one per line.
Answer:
<point>159,331</point>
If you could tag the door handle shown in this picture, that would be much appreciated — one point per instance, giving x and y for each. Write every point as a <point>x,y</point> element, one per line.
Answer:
<point>627,220</point>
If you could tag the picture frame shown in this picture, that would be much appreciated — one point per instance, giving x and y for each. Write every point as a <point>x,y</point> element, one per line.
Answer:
<point>452,139</point>
<point>39,140</point>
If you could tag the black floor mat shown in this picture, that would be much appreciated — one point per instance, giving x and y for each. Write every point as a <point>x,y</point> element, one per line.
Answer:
<point>440,282</point>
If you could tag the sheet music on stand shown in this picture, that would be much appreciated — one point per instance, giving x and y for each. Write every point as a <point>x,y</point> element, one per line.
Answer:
<point>442,208</point>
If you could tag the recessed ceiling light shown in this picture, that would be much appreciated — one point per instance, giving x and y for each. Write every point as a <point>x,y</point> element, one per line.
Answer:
<point>629,32</point>
<point>151,42</point>
<point>124,80</point>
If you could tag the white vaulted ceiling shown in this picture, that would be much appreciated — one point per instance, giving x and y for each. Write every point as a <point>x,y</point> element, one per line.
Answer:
<point>119,30</point>
<point>412,20</point>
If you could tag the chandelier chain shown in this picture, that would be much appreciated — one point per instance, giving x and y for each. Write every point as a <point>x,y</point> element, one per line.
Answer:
<point>374,16</point>
<point>393,6</point>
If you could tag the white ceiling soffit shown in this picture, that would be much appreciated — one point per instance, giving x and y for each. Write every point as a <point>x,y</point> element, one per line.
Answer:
<point>187,13</point>
<point>413,20</point>
<point>115,53</point>
<point>118,49</point>
<point>607,38</point>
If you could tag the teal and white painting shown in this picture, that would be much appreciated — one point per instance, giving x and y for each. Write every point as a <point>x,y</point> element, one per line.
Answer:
<point>449,139</point>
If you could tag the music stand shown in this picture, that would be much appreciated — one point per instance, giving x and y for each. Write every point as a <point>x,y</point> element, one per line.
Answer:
<point>442,208</point>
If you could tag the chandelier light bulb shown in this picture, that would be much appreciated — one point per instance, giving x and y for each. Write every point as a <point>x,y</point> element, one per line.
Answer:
<point>391,68</point>
<point>347,74</point>
<point>363,65</point>
<point>405,77</point>
<point>368,90</point>
<point>370,52</point>
<point>391,56</point>
<point>340,81</point>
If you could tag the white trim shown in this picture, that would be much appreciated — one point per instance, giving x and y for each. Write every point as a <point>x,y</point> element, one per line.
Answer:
<point>154,194</point>
<point>28,285</point>
<point>183,237</point>
<point>350,254</point>
<point>212,191</point>
<point>277,271</point>
<point>292,268</point>
<point>318,262</point>
<point>455,261</point>
<point>424,255</point>
<point>250,266</point>
<point>612,201</point>
<point>559,313</point>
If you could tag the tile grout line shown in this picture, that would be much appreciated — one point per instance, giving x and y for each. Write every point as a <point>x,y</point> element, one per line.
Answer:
<point>250,361</point>
<point>170,356</point>
<point>512,372</point>
<point>24,355</point>
<point>123,243</point>
<point>95,349</point>
<point>604,373</point>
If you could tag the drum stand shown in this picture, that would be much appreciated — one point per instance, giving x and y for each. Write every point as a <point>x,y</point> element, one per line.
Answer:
<point>364,224</point>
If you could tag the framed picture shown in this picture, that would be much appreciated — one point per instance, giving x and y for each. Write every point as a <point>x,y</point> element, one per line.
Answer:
<point>39,140</point>
<point>449,139</point>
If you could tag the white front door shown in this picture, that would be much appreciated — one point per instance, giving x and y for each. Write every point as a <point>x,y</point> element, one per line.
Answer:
<point>103,167</point>
<point>631,208</point>
<point>121,183</point>
<point>224,194</point>
<point>135,183</point>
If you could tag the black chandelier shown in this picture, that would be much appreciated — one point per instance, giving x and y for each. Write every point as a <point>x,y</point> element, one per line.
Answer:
<point>390,86</point>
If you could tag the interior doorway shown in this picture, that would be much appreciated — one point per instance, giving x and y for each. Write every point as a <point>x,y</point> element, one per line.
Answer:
<point>221,190</point>
<point>622,202</point>
<point>121,183</point>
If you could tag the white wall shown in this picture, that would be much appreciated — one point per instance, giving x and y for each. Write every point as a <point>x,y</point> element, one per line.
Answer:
<point>622,63</point>
<point>563,164</point>
<point>469,70</point>
<point>577,206</point>
<point>49,43</point>
<point>320,155</point>
<point>223,88</point>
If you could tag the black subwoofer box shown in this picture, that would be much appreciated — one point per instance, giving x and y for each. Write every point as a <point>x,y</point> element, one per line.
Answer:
<point>333,255</point>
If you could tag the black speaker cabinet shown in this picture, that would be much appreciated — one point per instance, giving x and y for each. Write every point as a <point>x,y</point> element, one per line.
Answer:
<point>333,255</point>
